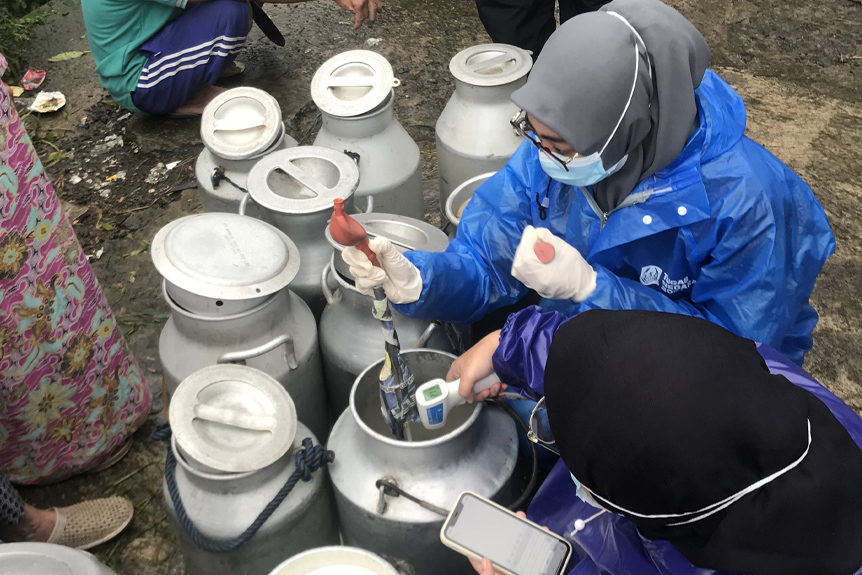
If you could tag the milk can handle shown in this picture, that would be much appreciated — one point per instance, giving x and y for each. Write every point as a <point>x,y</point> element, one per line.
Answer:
<point>423,339</point>
<point>307,459</point>
<point>369,204</point>
<point>243,204</point>
<point>285,340</point>
<point>324,283</point>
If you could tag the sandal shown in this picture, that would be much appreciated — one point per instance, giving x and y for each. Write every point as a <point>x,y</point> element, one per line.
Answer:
<point>87,524</point>
<point>115,457</point>
<point>237,70</point>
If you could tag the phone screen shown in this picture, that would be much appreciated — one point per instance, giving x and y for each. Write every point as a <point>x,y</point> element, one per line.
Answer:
<point>513,544</point>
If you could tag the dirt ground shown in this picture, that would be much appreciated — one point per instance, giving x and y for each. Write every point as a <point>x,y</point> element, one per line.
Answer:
<point>797,63</point>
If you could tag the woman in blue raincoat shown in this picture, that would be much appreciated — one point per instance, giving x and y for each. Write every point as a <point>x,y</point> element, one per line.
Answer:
<point>685,450</point>
<point>636,169</point>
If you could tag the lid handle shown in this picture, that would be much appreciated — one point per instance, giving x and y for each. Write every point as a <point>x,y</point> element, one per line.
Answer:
<point>303,177</point>
<point>484,64</point>
<point>234,418</point>
<point>238,125</point>
<point>351,81</point>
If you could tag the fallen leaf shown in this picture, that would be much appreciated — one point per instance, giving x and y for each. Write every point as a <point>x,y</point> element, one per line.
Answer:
<point>107,226</point>
<point>140,250</point>
<point>132,276</point>
<point>67,56</point>
<point>16,91</point>
<point>112,178</point>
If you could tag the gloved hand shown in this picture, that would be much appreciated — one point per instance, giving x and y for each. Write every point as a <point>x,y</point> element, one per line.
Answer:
<point>567,276</point>
<point>398,276</point>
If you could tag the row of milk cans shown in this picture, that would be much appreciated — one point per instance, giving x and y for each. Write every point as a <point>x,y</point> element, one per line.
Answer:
<point>269,343</point>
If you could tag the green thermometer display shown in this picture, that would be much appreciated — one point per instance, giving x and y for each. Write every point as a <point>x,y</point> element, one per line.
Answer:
<point>432,393</point>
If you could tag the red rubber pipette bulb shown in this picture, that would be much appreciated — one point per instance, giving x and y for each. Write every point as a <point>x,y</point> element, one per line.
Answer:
<point>348,232</point>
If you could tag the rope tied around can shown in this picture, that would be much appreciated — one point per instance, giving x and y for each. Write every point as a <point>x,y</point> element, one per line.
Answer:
<point>307,459</point>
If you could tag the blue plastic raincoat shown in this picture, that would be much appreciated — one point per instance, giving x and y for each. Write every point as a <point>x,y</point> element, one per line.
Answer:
<point>726,232</point>
<point>611,544</point>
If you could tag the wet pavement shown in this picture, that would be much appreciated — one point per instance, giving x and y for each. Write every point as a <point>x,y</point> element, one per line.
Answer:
<point>797,64</point>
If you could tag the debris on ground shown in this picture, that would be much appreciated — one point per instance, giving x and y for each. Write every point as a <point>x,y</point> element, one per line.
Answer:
<point>158,174</point>
<point>95,255</point>
<point>33,79</point>
<point>16,91</point>
<point>46,102</point>
<point>373,41</point>
<point>108,144</point>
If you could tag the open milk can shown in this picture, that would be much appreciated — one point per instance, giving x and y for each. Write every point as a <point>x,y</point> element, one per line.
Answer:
<point>335,561</point>
<point>238,128</point>
<point>48,559</point>
<point>453,209</point>
<point>476,450</point>
<point>354,92</point>
<point>235,451</point>
<point>225,280</point>
<point>474,135</point>
<point>350,337</point>
<point>294,191</point>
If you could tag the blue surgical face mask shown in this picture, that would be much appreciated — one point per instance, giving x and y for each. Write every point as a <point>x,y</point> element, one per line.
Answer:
<point>582,172</point>
<point>583,495</point>
<point>589,170</point>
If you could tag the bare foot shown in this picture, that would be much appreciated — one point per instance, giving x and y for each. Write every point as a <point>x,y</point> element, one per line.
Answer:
<point>35,525</point>
<point>195,105</point>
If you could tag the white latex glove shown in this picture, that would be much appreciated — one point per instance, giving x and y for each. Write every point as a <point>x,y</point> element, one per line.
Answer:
<point>398,276</point>
<point>567,276</point>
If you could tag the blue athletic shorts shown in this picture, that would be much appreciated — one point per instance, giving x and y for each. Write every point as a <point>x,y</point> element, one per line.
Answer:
<point>190,52</point>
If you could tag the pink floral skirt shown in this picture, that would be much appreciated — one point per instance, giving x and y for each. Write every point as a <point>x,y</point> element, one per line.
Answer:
<point>71,390</point>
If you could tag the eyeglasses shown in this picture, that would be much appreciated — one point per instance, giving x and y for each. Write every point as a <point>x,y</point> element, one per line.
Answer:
<point>523,128</point>
<point>540,430</point>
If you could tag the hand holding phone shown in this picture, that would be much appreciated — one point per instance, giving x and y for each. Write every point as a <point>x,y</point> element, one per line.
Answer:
<point>479,528</point>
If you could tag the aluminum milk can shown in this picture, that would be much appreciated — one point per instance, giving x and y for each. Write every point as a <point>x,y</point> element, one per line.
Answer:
<point>239,127</point>
<point>473,132</point>
<point>354,92</point>
<point>235,438</point>
<point>476,451</point>
<point>226,279</point>
<point>48,559</point>
<point>335,561</point>
<point>453,209</point>
<point>294,190</point>
<point>350,338</point>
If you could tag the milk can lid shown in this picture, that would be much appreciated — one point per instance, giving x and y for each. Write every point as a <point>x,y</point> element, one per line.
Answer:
<point>405,233</point>
<point>241,123</point>
<point>490,64</point>
<point>42,558</point>
<point>302,180</point>
<point>353,83</point>
<point>225,256</point>
<point>232,418</point>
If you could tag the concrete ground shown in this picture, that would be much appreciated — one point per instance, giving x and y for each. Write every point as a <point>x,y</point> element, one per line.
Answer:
<point>797,63</point>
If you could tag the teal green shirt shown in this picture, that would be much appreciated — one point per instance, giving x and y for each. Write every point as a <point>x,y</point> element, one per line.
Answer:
<point>115,31</point>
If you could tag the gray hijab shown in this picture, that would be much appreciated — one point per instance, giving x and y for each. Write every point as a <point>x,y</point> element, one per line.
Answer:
<point>582,80</point>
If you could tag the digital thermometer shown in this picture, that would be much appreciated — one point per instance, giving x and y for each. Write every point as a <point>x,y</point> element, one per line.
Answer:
<point>436,398</point>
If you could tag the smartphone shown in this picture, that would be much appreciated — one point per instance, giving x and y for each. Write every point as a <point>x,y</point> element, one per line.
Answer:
<point>480,528</point>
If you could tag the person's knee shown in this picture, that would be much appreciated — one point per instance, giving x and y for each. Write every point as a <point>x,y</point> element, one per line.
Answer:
<point>238,13</point>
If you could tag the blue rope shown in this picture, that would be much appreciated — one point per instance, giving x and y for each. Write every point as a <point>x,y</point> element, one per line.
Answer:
<point>307,459</point>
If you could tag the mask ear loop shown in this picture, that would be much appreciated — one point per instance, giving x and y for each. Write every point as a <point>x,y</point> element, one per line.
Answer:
<point>580,524</point>
<point>634,82</point>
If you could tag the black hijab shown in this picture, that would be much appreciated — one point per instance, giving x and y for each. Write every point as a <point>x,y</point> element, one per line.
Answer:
<point>663,414</point>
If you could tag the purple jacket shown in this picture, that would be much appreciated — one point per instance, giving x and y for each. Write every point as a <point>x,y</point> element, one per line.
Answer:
<point>611,544</point>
